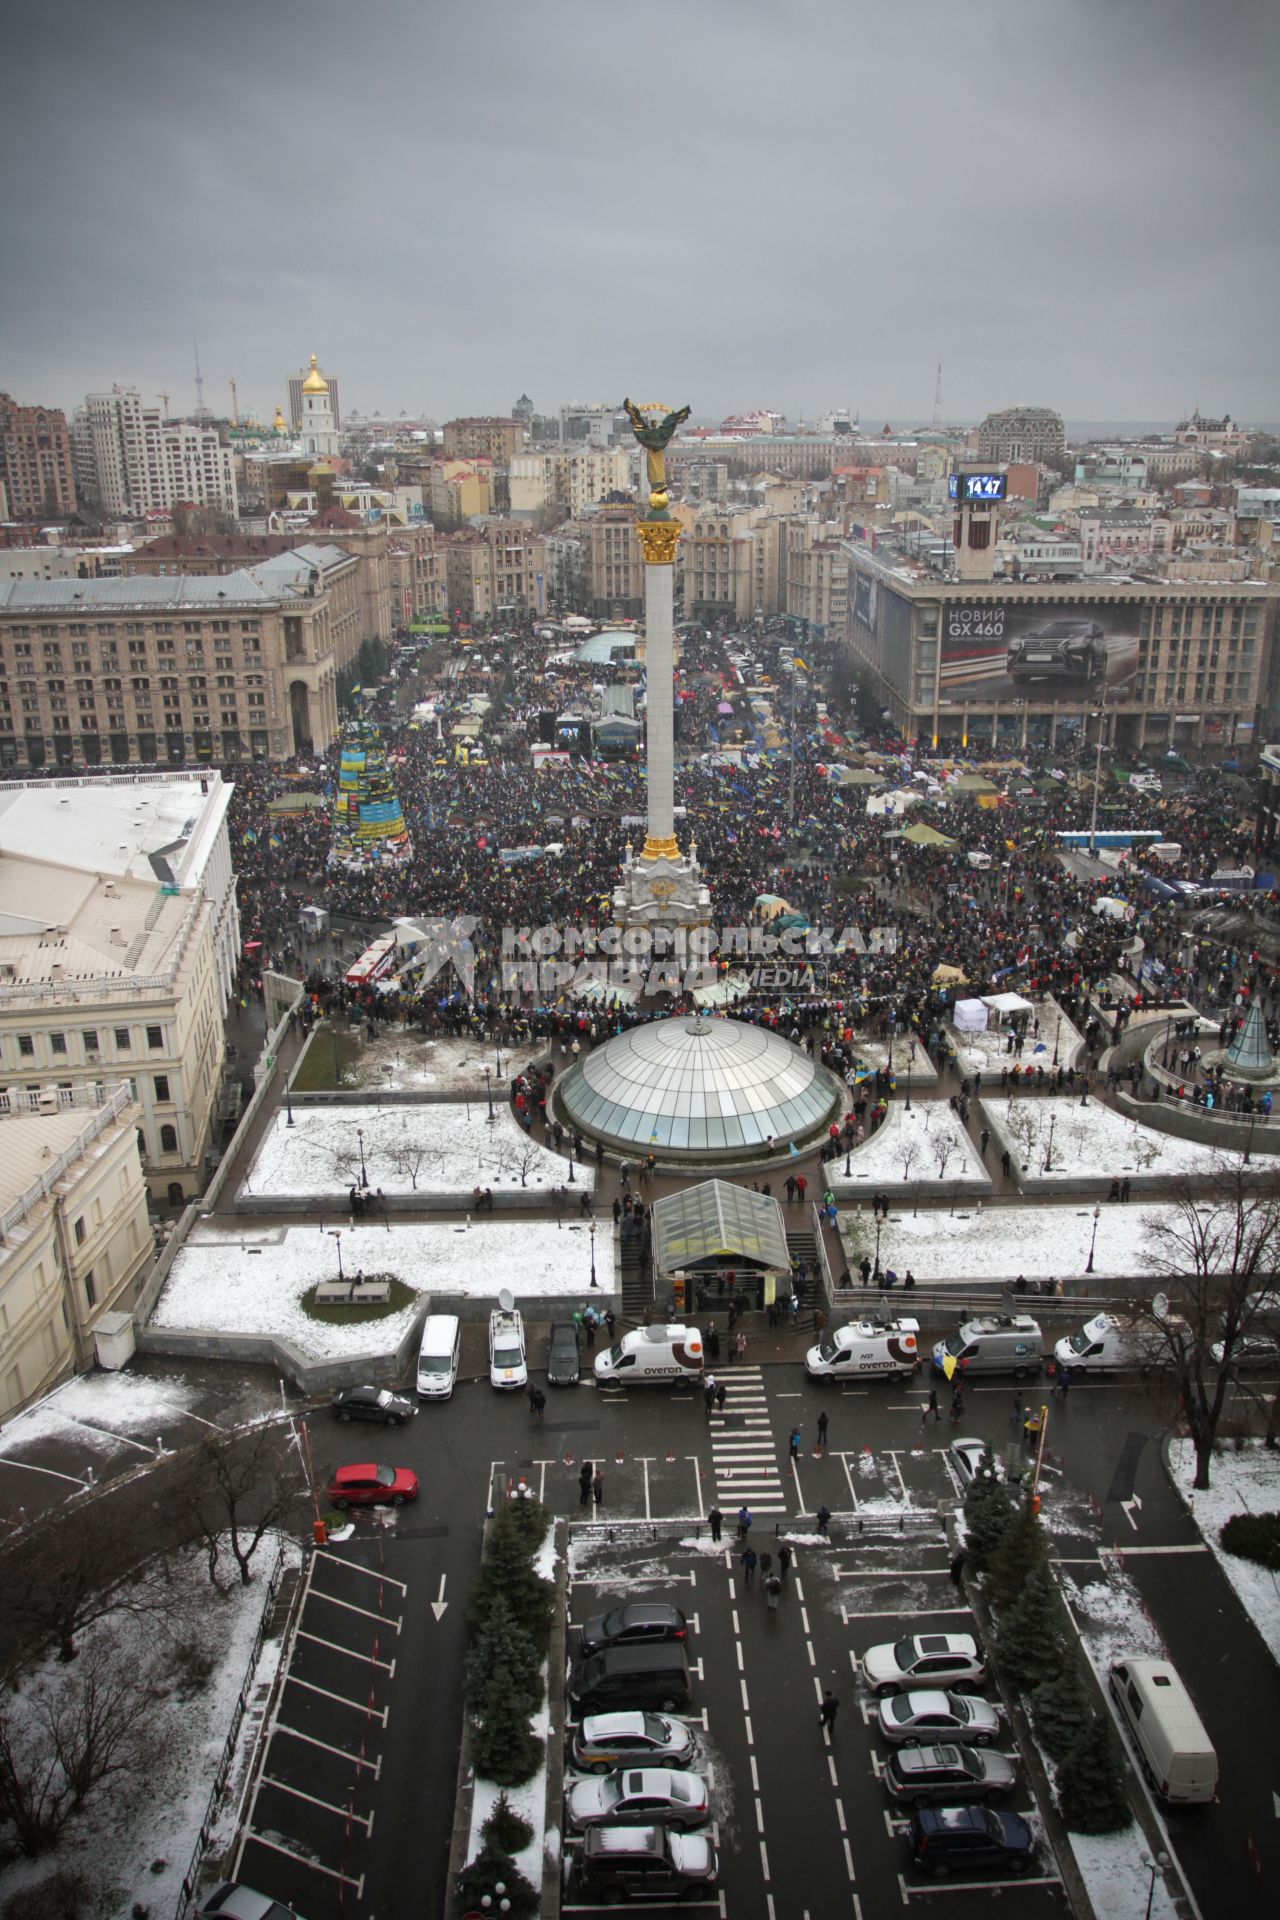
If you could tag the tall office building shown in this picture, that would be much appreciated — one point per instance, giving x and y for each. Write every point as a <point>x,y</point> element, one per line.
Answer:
<point>35,461</point>
<point>128,460</point>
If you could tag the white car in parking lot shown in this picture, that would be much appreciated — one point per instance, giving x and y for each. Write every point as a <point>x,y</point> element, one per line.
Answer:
<point>966,1457</point>
<point>508,1367</point>
<point>913,1719</point>
<point>924,1659</point>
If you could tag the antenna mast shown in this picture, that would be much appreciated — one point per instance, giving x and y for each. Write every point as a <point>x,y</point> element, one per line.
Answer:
<point>201,409</point>
<point>235,405</point>
<point>937,397</point>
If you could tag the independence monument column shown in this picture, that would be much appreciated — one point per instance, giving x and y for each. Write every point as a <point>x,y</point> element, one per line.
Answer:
<point>661,887</point>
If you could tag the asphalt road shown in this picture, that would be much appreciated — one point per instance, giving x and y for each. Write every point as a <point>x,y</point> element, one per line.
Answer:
<point>360,1773</point>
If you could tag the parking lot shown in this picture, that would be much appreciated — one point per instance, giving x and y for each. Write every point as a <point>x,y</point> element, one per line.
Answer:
<point>797,1809</point>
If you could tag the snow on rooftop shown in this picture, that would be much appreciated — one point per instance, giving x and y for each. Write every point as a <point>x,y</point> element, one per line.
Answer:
<point>444,1148</point>
<point>109,826</point>
<point>224,1281</point>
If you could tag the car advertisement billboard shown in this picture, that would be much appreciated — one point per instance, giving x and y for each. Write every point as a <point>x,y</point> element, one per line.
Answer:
<point>1042,652</point>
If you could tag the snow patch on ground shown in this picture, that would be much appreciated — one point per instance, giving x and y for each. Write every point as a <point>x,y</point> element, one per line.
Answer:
<point>1118,1883</point>
<point>218,1284</point>
<point>445,1148</point>
<point>399,1061</point>
<point>1247,1482</point>
<point>998,1243</point>
<point>1093,1140</point>
<point>129,1404</point>
<point>986,1052</point>
<point>910,1148</point>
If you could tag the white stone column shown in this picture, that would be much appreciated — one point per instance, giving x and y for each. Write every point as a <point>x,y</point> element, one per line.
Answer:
<point>659,706</point>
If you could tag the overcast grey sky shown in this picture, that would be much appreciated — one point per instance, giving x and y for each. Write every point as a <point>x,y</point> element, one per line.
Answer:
<point>786,203</point>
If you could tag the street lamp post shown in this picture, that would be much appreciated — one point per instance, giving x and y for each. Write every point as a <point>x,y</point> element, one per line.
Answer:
<point>592,1232</point>
<point>1093,1240</point>
<point>1048,1152</point>
<point>364,1177</point>
<point>1097,777</point>
<point>488,1090</point>
<point>572,1176</point>
<point>879,1224</point>
<point>1155,1863</point>
<point>848,1159</point>
<point>288,1102</point>
<point>335,1234</point>
<point>908,1086</point>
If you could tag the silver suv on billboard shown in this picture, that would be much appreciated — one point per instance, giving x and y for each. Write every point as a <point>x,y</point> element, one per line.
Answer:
<point>1067,646</point>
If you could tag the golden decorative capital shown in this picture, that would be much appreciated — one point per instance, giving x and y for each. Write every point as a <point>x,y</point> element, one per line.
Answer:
<point>658,540</point>
<point>665,849</point>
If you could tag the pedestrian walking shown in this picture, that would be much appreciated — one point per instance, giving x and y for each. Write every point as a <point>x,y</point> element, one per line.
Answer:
<point>1031,1432</point>
<point>608,1319</point>
<point>537,1402</point>
<point>821,1519</point>
<point>589,1326</point>
<point>1064,1382</point>
<point>824,1421</point>
<point>744,1521</point>
<point>585,1478</point>
<point>766,1564</point>
<point>722,1394</point>
<point>828,1710</point>
<point>784,1561</point>
<point>740,1347</point>
<point>956,1569</point>
<point>597,1488</point>
<point>931,1407</point>
<point>709,1393</point>
<point>716,1519</point>
<point>772,1591</point>
<point>957,1406</point>
<point>748,1560</point>
<point>1019,1413</point>
<point>711,1341</point>
<point>793,1445</point>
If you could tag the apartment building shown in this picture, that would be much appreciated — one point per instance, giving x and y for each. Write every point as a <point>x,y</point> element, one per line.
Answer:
<point>459,489</point>
<point>75,1238</point>
<point>613,568</point>
<point>493,570</point>
<point>817,578</point>
<point>128,460</point>
<point>1022,433</point>
<point>488,439</point>
<point>210,669</point>
<point>119,941</point>
<point>417,580</point>
<point>35,462</point>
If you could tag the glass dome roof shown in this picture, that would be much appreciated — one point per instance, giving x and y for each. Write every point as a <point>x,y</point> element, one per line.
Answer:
<point>698,1087</point>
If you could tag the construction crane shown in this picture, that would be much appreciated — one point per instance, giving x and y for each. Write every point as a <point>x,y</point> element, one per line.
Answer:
<point>165,398</point>
<point>201,409</point>
<point>235,405</point>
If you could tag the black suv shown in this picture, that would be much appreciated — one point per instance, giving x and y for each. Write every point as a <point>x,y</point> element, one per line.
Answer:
<point>956,1839</point>
<point>564,1357</point>
<point>1073,647</point>
<point>640,1622</point>
<point>373,1403</point>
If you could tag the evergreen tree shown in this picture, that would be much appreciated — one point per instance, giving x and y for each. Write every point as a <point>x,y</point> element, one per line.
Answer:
<point>503,1642</point>
<point>1062,1705</point>
<point>987,1512</point>
<point>493,1864</point>
<point>1028,1637</point>
<point>507,1570</point>
<point>1091,1795</point>
<point>1019,1552</point>
<point>503,1748</point>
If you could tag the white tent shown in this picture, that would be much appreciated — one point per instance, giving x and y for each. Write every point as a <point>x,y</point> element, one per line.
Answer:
<point>970,1016</point>
<point>1006,1003</point>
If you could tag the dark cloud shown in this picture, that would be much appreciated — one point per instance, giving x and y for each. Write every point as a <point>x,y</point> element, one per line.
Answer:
<point>792,203</point>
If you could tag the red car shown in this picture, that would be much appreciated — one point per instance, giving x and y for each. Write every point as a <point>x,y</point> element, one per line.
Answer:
<point>372,1486</point>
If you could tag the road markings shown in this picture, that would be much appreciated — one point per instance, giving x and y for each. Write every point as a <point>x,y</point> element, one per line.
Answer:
<point>305,1859</point>
<point>349,1653</point>
<point>439,1604</point>
<point>354,1566</point>
<point>1128,1553</point>
<point>975,1886</point>
<point>344,1813</point>
<point>1127,1507</point>
<point>348,1606</point>
<point>356,1759</point>
<point>360,1706</point>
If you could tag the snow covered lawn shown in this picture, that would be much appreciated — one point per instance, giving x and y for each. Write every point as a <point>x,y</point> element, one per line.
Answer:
<point>1247,1482</point>
<point>101,1411</point>
<point>1093,1142</point>
<point>875,1053</point>
<point>985,1052</point>
<point>228,1282</point>
<point>135,1820</point>
<point>999,1243</point>
<point>445,1148</point>
<point>924,1145</point>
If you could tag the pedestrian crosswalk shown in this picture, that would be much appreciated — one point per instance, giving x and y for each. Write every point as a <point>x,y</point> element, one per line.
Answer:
<point>744,1454</point>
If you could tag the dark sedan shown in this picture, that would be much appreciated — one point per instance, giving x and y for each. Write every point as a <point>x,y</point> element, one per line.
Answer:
<point>639,1623</point>
<point>373,1403</point>
<point>564,1355</point>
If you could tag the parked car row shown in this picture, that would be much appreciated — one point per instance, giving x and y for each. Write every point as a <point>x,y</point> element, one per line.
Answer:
<point>636,1806</point>
<point>943,1766</point>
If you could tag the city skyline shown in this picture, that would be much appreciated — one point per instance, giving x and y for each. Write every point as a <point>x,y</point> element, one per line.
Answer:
<point>564,202</point>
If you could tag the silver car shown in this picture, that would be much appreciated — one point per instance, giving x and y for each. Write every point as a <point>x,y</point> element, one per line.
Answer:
<point>918,1719</point>
<point>639,1796</point>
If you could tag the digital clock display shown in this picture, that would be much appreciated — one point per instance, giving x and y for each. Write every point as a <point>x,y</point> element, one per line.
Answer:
<point>978,486</point>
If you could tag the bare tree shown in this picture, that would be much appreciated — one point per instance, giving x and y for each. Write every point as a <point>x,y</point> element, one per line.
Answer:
<point>519,1154</point>
<point>240,1488</point>
<point>944,1146</point>
<point>408,1158</point>
<point>1022,1126</point>
<point>58,1745</point>
<point>1216,1258</point>
<point>101,1555</point>
<point>909,1153</point>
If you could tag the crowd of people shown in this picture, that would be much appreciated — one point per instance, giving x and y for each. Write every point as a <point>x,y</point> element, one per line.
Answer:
<point>1027,923</point>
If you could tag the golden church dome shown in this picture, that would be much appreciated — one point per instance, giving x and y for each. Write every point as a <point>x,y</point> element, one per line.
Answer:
<point>315,381</point>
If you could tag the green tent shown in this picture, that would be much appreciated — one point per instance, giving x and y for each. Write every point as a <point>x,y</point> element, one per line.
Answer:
<point>922,836</point>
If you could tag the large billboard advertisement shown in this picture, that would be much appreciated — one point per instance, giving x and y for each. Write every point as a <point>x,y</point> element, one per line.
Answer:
<point>1002,652</point>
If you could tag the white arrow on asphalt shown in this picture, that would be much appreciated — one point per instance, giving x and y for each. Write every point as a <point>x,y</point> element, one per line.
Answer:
<point>439,1604</point>
<point>1128,1506</point>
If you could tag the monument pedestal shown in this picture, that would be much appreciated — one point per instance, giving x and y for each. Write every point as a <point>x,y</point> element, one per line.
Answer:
<point>668,891</point>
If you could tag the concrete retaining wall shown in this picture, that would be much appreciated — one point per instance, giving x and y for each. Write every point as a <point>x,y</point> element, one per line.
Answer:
<point>516,1200</point>
<point>1230,1131</point>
